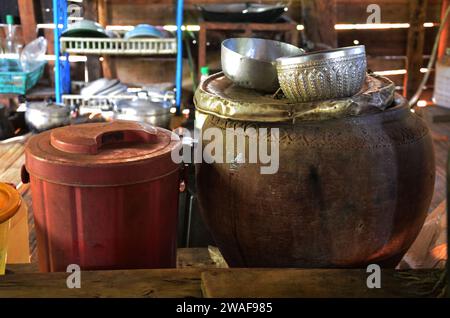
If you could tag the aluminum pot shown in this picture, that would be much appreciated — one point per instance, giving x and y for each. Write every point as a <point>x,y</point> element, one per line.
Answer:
<point>42,116</point>
<point>250,62</point>
<point>144,109</point>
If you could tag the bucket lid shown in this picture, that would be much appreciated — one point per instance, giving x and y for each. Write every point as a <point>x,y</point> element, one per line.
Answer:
<point>94,154</point>
<point>9,202</point>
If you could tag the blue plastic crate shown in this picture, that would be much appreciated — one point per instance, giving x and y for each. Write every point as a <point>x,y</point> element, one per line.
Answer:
<point>16,81</point>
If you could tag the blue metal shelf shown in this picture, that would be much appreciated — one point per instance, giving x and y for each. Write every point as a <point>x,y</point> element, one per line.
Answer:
<point>62,67</point>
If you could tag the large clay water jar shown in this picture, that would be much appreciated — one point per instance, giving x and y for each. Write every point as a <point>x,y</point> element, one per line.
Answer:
<point>353,186</point>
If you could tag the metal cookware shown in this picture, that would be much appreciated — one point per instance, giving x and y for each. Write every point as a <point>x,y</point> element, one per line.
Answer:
<point>242,12</point>
<point>323,75</point>
<point>250,62</point>
<point>41,116</point>
<point>144,109</point>
<point>86,29</point>
<point>144,31</point>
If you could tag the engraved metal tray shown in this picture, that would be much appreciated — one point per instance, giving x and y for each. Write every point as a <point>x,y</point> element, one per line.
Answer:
<point>218,96</point>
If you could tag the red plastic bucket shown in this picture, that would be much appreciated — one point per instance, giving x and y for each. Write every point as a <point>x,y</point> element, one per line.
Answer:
<point>105,196</point>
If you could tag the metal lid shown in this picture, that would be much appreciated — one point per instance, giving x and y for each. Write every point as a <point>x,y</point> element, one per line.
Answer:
<point>9,202</point>
<point>49,109</point>
<point>218,96</point>
<point>114,153</point>
<point>143,106</point>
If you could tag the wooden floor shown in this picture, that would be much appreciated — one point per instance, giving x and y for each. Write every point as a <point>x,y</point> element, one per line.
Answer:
<point>12,159</point>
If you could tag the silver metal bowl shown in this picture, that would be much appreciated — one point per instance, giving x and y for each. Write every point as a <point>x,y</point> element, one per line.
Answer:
<point>322,75</point>
<point>250,62</point>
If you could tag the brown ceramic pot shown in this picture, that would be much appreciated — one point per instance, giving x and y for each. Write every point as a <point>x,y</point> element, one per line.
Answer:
<point>349,192</point>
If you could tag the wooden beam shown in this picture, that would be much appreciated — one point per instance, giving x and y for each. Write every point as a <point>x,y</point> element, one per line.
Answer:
<point>319,18</point>
<point>27,12</point>
<point>167,283</point>
<point>93,64</point>
<point>108,64</point>
<point>415,45</point>
<point>317,283</point>
<point>444,43</point>
<point>224,283</point>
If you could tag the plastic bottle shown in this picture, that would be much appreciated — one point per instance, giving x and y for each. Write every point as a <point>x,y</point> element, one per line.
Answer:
<point>10,45</point>
<point>200,118</point>
<point>204,73</point>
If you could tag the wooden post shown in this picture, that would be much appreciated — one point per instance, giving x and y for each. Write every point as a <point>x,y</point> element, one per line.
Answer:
<point>201,48</point>
<point>93,64</point>
<point>108,64</point>
<point>27,13</point>
<point>445,35</point>
<point>414,51</point>
<point>319,18</point>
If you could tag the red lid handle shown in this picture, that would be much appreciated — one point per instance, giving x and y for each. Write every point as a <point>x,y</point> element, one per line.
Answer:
<point>89,138</point>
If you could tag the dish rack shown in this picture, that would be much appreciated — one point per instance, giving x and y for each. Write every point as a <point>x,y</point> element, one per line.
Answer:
<point>118,46</point>
<point>63,47</point>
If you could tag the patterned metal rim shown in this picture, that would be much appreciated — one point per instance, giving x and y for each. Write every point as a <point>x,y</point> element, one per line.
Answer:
<point>322,56</point>
<point>218,96</point>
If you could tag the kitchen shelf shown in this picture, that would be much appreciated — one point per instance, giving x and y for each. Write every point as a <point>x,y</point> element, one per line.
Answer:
<point>63,46</point>
<point>108,46</point>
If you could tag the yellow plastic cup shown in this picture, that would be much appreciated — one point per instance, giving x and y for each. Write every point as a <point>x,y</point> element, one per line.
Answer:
<point>10,202</point>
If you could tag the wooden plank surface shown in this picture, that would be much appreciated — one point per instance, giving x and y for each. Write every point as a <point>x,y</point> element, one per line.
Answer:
<point>319,20</point>
<point>186,258</point>
<point>316,283</point>
<point>415,46</point>
<point>11,160</point>
<point>24,280</point>
<point>223,283</point>
<point>392,11</point>
<point>195,258</point>
<point>121,283</point>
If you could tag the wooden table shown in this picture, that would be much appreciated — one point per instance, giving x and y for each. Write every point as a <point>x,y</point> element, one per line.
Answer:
<point>200,282</point>
<point>198,276</point>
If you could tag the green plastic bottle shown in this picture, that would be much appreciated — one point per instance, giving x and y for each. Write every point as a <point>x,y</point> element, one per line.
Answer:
<point>10,45</point>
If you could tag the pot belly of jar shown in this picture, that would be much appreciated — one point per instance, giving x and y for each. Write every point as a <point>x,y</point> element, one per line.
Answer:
<point>328,205</point>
